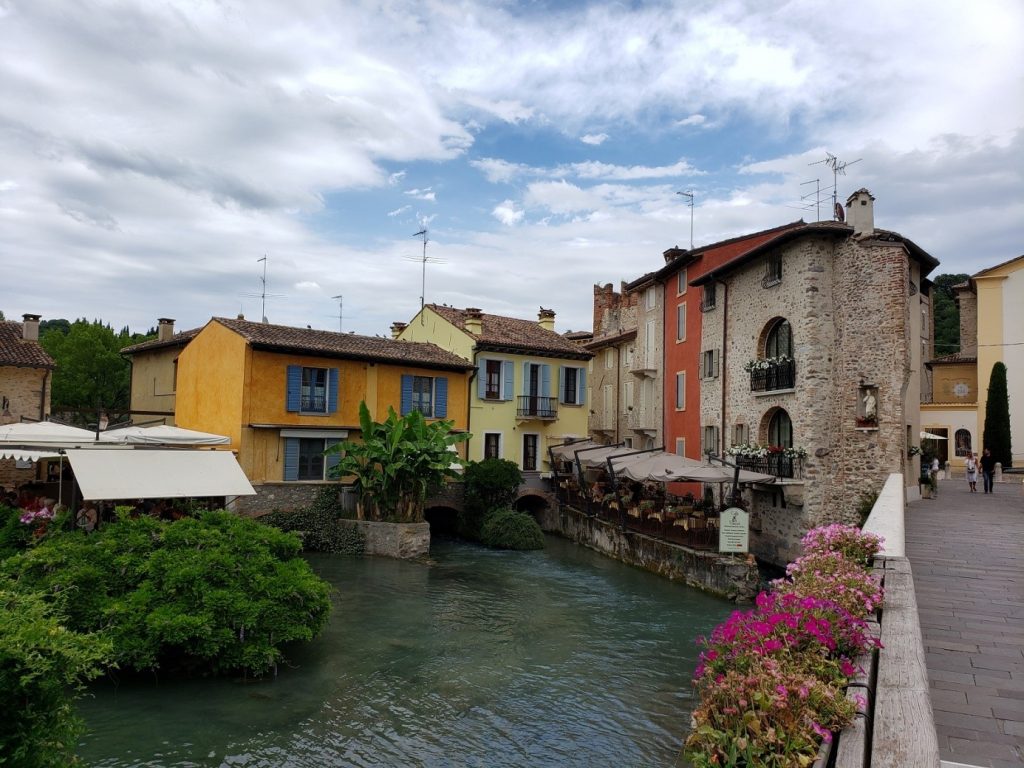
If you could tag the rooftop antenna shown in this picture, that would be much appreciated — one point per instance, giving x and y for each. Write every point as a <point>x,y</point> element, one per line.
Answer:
<point>838,169</point>
<point>341,302</point>
<point>263,295</point>
<point>688,194</point>
<point>424,260</point>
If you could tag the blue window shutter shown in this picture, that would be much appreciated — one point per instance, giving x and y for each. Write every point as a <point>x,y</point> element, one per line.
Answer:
<point>406,393</point>
<point>481,379</point>
<point>526,379</point>
<point>545,381</point>
<point>581,382</point>
<point>291,458</point>
<point>441,397</point>
<point>561,383</point>
<point>332,390</point>
<point>508,373</point>
<point>331,459</point>
<point>294,387</point>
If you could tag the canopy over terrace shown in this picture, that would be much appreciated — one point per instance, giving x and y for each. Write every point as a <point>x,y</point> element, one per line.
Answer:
<point>162,435</point>
<point>45,433</point>
<point>158,474</point>
<point>567,451</point>
<point>666,467</point>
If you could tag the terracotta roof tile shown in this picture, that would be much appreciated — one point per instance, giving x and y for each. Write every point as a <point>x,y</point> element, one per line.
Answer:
<point>500,332</point>
<point>955,357</point>
<point>177,340</point>
<point>17,352</point>
<point>283,338</point>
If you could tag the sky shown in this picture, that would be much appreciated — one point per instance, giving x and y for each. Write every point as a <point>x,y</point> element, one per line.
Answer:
<point>151,153</point>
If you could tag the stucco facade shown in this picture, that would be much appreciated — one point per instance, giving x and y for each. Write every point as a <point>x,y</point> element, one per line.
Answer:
<point>154,374</point>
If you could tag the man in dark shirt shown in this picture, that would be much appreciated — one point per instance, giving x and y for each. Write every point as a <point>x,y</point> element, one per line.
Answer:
<point>988,469</point>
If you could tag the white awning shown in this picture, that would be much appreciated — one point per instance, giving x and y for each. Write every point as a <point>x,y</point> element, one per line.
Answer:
<point>24,454</point>
<point>162,435</point>
<point>156,474</point>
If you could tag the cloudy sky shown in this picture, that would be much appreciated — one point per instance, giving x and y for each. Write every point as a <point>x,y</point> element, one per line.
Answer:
<point>152,152</point>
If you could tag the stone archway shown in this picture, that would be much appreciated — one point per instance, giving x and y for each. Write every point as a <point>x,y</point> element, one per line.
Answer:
<point>443,520</point>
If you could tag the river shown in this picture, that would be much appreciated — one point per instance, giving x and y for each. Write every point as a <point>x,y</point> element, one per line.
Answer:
<point>481,658</point>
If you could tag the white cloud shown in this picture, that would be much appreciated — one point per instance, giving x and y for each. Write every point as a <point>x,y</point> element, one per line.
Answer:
<point>507,213</point>
<point>422,194</point>
<point>399,211</point>
<point>307,285</point>
<point>595,170</point>
<point>498,171</point>
<point>692,120</point>
<point>594,139</point>
<point>395,178</point>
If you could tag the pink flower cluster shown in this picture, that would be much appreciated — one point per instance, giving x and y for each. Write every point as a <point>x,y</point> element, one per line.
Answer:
<point>846,582</point>
<point>31,516</point>
<point>849,540</point>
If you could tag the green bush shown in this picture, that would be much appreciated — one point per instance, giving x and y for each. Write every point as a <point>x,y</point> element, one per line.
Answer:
<point>996,436</point>
<point>322,525</point>
<point>214,593</point>
<point>42,664</point>
<point>489,485</point>
<point>508,529</point>
<point>15,536</point>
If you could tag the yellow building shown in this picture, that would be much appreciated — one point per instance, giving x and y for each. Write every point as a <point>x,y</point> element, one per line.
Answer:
<point>283,395</point>
<point>154,373</point>
<point>991,330</point>
<point>529,388</point>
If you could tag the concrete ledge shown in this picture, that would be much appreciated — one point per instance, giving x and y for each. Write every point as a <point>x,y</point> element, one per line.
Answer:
<point>886,518</point>
<point>399,540</point>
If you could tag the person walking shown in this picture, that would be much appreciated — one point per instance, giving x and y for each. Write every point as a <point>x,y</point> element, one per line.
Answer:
<point>933,475</point>
<point>971,465</point>
<point>988,469</point>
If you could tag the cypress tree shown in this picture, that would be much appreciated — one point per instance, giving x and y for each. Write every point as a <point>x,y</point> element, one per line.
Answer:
<point>996,436</point>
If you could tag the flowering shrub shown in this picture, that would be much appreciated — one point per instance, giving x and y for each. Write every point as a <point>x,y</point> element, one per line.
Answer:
<point>849,540</point>
<point>40,515</point>
<point>830,573</point>
<point>755,451</point>
<point>764,363</point>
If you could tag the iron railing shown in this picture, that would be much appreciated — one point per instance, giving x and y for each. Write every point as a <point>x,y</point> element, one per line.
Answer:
<point>314,403</point>
<point>775,376</point>
<point>777,464</point>
<point>534,407</point>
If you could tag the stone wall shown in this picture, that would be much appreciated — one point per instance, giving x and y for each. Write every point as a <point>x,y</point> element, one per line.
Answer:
<point>729,576</point>
<point>398,540</point>
<point>28,394</point>
<point>270,497</point>
<point>968,303</point>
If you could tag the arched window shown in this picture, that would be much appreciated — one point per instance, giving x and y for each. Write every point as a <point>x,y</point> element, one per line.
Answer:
<point>963,442</point>
<point>779,340</point>
<point>780,430</point>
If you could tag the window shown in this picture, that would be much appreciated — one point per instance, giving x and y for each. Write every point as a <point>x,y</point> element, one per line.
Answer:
<point>609,404</point>
<point>681,322</point>
<point>681,390</point>
<point>740,434</point>
<point>651,298</point>
<point>680,446</point>
<point>529,453</point>
<point>963,442</point>
<point>629,357</point>
<point>779,341</point>
<point>681,283</point>
<point>709,441</point>
<point>426,394</point>
<point>609,359</point>
<point>707,299</point>
<point>627,442</point>
<point>311,390</point>
<point>304,458</point>
<point>772,269</point>
<point>709,367</point>
<point>492,389</point>
<point>492,445</point>
<point>573,389</point>
<point>780,430</point>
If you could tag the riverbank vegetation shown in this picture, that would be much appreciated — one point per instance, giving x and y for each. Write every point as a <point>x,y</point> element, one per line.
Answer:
<point>323,526</point>
<point>771,680</point>
<point>491,486</point>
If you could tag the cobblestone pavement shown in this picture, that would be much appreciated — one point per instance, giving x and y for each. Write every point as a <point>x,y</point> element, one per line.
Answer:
<point>967,554</point>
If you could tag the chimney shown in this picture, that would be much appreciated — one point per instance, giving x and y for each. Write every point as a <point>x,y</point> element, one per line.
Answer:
<point>164,329</point>
<point>30,327</point>
<point>860,212</point>
<point>546,319</point>
<point>673,253</point>
<point>397,328</point>
<point>474,321</point>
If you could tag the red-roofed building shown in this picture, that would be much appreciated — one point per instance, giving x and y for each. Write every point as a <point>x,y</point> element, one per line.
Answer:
<point>26,372</point>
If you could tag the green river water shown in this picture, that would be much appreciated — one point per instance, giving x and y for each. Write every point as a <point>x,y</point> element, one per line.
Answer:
<point>480,658</point>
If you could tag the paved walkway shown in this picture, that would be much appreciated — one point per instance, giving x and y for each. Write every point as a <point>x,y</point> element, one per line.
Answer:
<point>967,554</point>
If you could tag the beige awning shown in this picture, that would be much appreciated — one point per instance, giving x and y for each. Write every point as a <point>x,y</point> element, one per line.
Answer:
<point>156,474</point>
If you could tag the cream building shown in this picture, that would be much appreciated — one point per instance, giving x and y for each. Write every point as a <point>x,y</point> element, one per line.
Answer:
<point>154,375</point>
<point>812,342</point>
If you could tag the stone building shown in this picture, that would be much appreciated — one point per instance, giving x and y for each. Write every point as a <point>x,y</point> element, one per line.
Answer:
<point>627,379</point>
<point>26,372</point>
<point>811,343</point>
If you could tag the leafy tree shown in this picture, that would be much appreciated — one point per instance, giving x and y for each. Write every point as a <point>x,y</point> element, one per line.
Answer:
<point>42,664</point>
<point>946,314</point>
<point>489,485</point>
<point>57,324</point>
<point>996,436</point>
<point>397,463</point>
<point>215,593</point>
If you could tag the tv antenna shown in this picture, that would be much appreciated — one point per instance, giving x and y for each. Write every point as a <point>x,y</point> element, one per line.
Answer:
<point>812,199</point>
<point>263,295</point>
<point>838,169</point>
<point>424,260</point>
<point>341,304</point>
<point>688,194</point>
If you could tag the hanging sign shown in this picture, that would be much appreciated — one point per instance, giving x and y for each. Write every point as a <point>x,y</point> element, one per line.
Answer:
<point>734,531</point>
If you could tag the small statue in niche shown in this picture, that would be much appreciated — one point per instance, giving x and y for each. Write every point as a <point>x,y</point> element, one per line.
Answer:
<point>870,406</point>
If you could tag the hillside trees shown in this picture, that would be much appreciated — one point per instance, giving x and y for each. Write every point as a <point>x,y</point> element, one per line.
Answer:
<point>946,314</point>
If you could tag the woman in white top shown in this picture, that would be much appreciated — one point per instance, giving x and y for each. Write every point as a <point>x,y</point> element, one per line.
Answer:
<point>972,472</point>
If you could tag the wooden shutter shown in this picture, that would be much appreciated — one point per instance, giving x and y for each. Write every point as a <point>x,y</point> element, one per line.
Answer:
<point>291,458</point>
<point>293,388</point>
<point>507,374</point>
<point>581,384</point>
<point>481,379</point>
<point>331,459</point>
<point>718,362</point>
<point>545,380</point>
<point>406,404</point>
<point>441,397</point>
<point>332,390</point>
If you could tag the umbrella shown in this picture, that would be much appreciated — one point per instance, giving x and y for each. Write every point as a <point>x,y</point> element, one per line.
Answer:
<point>162,435</point>
<point>567,451</point>
<point>644,466</point>
<point>932,436</point>
<point>44,433</point>
<point>599,456</point>
<point>706,473</point>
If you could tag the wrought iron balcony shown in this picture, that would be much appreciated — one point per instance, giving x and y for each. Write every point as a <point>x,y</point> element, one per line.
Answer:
<point>313,403</point>
<point>534,407</point>
<point>641,420</point>
<point>775,376</point>
<point>777,464</point>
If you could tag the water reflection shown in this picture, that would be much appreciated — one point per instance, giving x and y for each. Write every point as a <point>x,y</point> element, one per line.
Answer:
<point>482,658</point>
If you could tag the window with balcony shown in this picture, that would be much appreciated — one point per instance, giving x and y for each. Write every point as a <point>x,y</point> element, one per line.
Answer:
<point>311,390</point>
<point>776,369</point>
<point>426,394</point>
